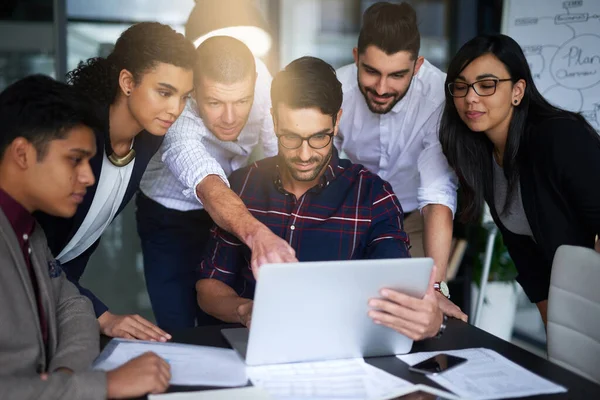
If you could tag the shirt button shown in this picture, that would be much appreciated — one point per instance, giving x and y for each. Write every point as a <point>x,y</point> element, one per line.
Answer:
<point>292,227</point>
<point>29,250</point>
<point>25,236</point>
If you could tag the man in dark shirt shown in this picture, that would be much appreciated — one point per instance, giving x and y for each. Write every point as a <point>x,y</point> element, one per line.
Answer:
<point>49,335</point>
<point>325,207</point>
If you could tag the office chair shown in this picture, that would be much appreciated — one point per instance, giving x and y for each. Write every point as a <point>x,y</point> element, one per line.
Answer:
<point>573,328</point>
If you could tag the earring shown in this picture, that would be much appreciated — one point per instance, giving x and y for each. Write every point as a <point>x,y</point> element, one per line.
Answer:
<point>128,93</point>
<point>516,101</point>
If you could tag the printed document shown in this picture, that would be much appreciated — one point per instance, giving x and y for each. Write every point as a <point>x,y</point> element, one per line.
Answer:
<point>337,379</point>
<point>486,375</point>
<point>190,365</point>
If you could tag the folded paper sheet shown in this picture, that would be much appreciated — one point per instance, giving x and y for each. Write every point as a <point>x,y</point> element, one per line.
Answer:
<point>190,365</point>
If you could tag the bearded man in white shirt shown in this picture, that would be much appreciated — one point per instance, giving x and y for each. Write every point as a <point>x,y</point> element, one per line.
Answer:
<point>185,187</point>
<point>393,99</point>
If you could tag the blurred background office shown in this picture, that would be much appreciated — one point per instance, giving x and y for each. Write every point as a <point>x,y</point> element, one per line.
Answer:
<point>52,36</point>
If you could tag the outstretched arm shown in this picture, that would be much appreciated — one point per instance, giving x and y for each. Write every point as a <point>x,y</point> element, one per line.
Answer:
<point>229,212</point>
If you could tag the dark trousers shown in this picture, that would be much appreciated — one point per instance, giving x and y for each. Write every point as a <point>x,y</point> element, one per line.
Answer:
<point>173,244</point>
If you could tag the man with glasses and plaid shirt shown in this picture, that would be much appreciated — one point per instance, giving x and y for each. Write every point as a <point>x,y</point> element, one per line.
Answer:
<point>325,207</point>
<point>393,99</point>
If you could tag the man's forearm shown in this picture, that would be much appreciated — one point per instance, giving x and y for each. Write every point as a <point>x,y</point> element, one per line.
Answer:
<point>227,209</point>
<point>219,300</point>
<point>437,236</point>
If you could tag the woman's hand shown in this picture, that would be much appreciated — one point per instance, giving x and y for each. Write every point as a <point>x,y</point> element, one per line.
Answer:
<point>131,327</point>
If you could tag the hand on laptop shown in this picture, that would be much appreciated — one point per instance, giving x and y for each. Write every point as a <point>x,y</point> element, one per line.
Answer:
<point>416,318</point>
<point>131,327</point>
<point>244,312</point>
<point>268,248</point>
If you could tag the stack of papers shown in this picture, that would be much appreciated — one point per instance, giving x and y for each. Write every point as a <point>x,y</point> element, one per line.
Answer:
<point>337,379</point>
<point>190,365</point>
<point>486,376</point>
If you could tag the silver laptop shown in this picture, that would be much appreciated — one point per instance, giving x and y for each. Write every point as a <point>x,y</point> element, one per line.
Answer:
<point>315,311</point>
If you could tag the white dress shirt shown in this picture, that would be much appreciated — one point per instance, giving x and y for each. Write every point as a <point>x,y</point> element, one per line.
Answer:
<point>402,146</point>
<point>190,152</point>
<point>111,189</point>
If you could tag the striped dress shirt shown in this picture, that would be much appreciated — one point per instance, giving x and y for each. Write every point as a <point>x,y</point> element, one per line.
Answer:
<point>190,152</point>
<point>351,214</point>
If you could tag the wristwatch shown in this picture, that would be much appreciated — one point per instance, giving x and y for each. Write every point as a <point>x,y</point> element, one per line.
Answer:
<point>442,287</point>
<point>442,327</point>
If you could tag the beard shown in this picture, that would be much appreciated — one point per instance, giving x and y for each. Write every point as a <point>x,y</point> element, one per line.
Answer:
<point>310,175</point>
<point>377,108</point>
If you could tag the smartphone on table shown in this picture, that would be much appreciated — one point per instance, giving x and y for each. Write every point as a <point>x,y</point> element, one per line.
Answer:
<point>437,364</point>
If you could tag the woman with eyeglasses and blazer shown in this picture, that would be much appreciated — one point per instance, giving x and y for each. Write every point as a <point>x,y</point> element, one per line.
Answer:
<point>535,165</point>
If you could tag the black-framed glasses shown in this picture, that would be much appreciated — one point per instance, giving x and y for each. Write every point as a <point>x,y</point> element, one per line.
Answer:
<point>317,141</point>
<point>484,87</point>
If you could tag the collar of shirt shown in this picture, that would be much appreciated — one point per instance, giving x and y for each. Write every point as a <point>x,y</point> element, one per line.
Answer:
<point>20,219</point>
<point>327,177</point>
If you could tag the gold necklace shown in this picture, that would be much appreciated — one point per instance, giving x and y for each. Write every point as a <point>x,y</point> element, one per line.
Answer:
<point>121,161</point>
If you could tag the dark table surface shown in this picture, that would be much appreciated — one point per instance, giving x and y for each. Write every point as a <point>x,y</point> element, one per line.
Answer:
<point>458,335</point>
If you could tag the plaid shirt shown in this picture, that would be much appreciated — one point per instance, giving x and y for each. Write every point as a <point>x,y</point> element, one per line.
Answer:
<point>351,214</point>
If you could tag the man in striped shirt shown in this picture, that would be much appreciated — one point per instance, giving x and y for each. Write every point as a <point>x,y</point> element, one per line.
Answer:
<point>185,187</point>
<point>325,207</point>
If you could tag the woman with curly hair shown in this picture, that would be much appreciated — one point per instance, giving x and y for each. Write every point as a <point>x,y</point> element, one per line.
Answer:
<point>140,89</point>
<point>536,166</point>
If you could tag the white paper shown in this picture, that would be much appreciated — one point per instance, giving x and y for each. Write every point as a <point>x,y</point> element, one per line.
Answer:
<point>420,391</point>
<point>486,375</point>
<point>190,365</point>
<point>337,379</point>
<point>247,393</point>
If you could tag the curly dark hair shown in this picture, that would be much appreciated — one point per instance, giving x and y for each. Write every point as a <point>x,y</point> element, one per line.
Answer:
<point>137,50</point>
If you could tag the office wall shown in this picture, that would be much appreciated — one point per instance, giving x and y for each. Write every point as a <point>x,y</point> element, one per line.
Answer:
<point>26,40</point>
<point>329,29</point>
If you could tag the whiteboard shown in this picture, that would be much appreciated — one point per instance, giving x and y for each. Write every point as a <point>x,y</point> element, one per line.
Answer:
<point>561,40</point>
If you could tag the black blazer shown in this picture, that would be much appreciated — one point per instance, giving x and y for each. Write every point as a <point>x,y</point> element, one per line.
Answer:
<point>59,231</point>
<point>560,187</point>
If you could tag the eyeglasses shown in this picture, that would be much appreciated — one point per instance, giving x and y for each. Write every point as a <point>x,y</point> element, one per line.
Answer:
<point>317,141</point>
<point>484,87</point>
